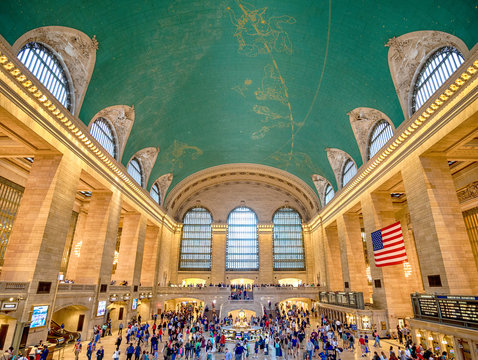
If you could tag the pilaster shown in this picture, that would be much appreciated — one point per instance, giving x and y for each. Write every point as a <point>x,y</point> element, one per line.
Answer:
<point>131,249</point>
<point>266,249</point>
<point>39,233</point>
<point>99,239</point>
<point>351,249</point>
<point>150,257</point>
<point>443,245</point>
<point>219,237</point>
<point>391,290</point>
<point>333,259</point>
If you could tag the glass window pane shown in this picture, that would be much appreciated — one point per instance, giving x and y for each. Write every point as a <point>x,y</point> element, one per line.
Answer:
<point>288,253</point>
<point>155,193</point>
<point>196,240</point>
<point>438,68</point>
<point>381,133</point>
<point>242,246</point>
<point>329,194</point>
<point>349,172</point>
<point>136,171</point>
<point>102,131</point>
<point>44,65</point>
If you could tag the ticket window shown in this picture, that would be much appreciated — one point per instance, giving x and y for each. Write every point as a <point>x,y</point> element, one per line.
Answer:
<point>366,324</point>
<point>465,349</point>
<point>447,344</point>
<point>422,339</point>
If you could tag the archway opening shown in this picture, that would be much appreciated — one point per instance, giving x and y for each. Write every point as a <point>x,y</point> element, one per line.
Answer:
<point>67,324</point>
<point>188,305</point>
<point>116,312</point>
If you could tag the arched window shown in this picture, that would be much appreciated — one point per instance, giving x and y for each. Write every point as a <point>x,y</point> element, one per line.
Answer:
<point>155,193</point>
<point>196,240</point>
<point>438,68</point>
<point>288,253</point>
<point>349,172</point>
<point>242,246</point>
<point>45,66</point>
<point>329,193</point>
<point>135,169</point>
<point>381,133</point>
<point>103,132</point>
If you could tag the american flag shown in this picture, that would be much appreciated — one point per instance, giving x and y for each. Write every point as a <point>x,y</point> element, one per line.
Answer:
<point>388,246</point>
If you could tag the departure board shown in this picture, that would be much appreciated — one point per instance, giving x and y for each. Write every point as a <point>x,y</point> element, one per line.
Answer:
<point>428,306</point>
<point>463,308</point>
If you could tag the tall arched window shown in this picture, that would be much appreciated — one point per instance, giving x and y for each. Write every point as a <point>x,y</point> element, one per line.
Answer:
<point>242,246</point>
<point>349,172</point>
<point>437,69</point>
<point>381,133</point>
<point>196,240</point>
<point>155,193</point>
<point>288,253</point>
<point>135,169</point>
<point>329,193</point>
<point>103,132</point>
<point>45,66</point>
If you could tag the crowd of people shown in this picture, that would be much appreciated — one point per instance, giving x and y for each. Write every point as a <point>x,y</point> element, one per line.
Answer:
<point>241,292</point>
<point>193,333</point>
<point>224,285</point>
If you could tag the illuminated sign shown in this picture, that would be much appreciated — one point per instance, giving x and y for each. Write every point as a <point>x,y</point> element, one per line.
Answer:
<point>39,316</point>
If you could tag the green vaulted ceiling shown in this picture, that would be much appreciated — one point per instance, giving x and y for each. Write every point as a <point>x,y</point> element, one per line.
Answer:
<point>229,81</point>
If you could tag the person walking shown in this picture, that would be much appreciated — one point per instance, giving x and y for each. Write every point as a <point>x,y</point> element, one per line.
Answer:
<point>100,353</point>
<point>90,348</point>
<point>377,339</point>
<point>77,349</point>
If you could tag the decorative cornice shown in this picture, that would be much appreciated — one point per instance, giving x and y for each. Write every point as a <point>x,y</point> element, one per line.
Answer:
<point>406,131</point>
<point>86,143</point>
<point>469,192</point>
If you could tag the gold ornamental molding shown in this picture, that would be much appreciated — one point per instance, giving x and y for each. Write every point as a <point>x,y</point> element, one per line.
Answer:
<point>43,97</point>
<point>469,192</point>
<point>406,130</point>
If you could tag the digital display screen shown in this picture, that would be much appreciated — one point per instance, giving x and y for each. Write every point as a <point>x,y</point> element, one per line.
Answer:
<point>101,308</point>
<point>134,304</point>
<point>39,316</point>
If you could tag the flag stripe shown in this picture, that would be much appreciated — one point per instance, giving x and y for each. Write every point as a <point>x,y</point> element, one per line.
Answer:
<point>401,258</point>
<point>388,245</point>
<point>388,249</point>
<point>401,250</point>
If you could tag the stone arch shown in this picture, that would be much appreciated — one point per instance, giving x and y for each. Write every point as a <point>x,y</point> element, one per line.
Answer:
<point>362,121</point>
<point>121,118</point>
<point>75,51</point>
<point>252,183</point>
<point>408,53</point>
<point>321,184</point>
<point>337,159</point>
<point>164,181</point>
<point>147,156</point>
